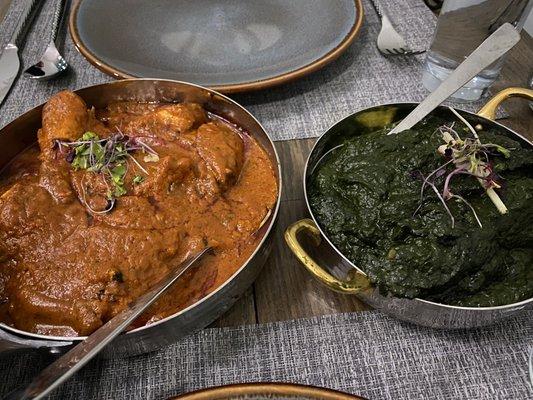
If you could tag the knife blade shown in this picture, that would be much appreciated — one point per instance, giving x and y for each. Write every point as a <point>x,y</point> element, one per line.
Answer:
<point>9,58</point>
<point>9,69</point>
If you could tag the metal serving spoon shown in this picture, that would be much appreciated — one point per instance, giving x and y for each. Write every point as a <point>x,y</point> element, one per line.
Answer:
<point>52,62</point>
<point>495,46</point>
<point>65,366</point>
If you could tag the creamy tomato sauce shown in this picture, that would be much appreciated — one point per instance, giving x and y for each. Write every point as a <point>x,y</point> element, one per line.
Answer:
<point>66,270</point>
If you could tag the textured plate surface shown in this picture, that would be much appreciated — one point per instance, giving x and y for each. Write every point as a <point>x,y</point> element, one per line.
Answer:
<point>229,45</point>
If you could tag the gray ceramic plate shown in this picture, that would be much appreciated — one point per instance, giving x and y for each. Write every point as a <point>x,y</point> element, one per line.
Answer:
<point>228,45</point>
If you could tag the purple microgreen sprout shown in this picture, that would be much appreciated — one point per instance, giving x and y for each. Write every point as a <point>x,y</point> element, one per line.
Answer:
<point>460,198</point>
<point>470,157</point>
<point>108,156</point>
<point>138,164</point>
<point>110,203</point>
<point>442,200</point>
<point>483,168</point>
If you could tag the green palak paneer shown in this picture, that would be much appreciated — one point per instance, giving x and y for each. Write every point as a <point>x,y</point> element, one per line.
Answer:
<point>412,241</point>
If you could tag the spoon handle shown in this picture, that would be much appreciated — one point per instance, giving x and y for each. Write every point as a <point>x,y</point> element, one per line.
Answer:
<point>495,46</point>
<point>24,20</point>
<point>65,366</point>
<point>57,18</point>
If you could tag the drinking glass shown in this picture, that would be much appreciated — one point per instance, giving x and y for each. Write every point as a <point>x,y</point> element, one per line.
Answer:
<point>462,26</point>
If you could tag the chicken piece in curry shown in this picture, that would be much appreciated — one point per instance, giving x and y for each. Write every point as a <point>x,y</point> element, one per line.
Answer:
<point>111,200</point>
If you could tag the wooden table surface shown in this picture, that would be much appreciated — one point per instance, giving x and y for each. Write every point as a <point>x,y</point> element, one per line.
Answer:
<point>284,290</point>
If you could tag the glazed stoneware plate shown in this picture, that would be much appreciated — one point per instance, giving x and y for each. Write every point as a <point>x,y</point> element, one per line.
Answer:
<point>263,391</point>
<point>227,45</point>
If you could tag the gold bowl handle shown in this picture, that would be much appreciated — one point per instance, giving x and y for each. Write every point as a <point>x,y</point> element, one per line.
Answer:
<point>356,284</point>
<point>489,110</point>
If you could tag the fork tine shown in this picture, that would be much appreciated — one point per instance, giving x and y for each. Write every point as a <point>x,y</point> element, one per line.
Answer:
<point>389,41</point>
<point>402,52</point>
<point>415,52</point>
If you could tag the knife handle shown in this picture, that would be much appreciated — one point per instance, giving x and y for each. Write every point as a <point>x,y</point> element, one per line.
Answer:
<point>57,19</point>
<point>24,20</point>
<point>378,8</point>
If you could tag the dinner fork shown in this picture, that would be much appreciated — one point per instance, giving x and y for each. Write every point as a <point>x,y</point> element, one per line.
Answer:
<point>390,42</point>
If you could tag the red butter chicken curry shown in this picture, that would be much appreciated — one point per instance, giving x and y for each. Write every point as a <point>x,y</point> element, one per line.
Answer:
<point>112,199</point>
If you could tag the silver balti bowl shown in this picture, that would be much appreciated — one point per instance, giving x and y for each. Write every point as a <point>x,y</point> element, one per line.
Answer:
<point>339,274</point>
<point>21,133</point>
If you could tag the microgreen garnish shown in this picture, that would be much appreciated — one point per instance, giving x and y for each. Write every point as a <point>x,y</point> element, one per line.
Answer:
<point>138,179</point>
<point>110,157</point>
<point>151,158</point>
<point>469,157</point>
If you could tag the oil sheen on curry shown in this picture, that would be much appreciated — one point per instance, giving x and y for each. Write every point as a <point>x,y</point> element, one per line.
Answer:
<point>112,199</point>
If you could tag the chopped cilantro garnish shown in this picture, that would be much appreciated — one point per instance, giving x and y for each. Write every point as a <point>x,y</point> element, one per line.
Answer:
<point>137,179</point>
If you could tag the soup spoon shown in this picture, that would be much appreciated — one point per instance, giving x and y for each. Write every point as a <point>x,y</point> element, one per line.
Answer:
<point>52,62</point>
<point>65,366</point>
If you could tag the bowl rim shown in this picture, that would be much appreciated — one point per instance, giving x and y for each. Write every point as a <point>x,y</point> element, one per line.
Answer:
<point>271,218</point>
<point>325,134</point>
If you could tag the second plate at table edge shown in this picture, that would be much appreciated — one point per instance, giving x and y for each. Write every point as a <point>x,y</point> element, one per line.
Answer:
<point>285,389</point>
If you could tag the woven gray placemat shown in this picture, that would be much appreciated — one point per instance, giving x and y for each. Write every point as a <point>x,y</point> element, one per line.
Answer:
<point>360,78</point>
<point>365,353</point>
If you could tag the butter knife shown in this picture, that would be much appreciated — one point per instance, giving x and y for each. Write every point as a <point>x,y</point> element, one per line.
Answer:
<point>9,58</point>
<point>495,46</point>
<point>66,365</point>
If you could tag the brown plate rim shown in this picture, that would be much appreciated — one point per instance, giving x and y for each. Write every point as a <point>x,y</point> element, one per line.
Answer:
<point>266,388</point>
<point>231,88</point>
